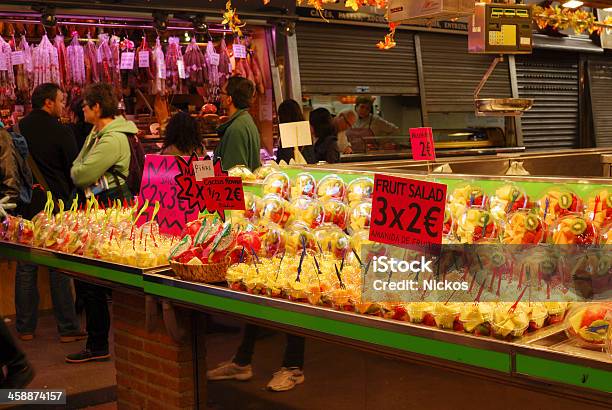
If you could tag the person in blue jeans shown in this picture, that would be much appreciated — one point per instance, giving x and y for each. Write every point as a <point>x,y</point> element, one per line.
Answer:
<point>53,148</point>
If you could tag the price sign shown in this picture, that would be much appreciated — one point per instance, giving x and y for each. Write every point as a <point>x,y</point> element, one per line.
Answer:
<point>3,62</point>
<point>239,51</point>
<point>127,61</point>
<point>407,212</point>
<point>17,57</point>
<point>158,184</point>
<point>203,169</point>
<point>421,141</point>
<point>214,58</point>
<point>180,65</point>
<point>214,194</point>
<point>161,71</point>
<point>143,59</point>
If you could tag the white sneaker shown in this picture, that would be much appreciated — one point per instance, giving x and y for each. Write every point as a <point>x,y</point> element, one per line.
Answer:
<point>230,370</point>
<point>286,379</point>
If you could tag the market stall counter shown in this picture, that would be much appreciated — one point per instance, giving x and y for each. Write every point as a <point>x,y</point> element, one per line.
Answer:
<point>160,352</point>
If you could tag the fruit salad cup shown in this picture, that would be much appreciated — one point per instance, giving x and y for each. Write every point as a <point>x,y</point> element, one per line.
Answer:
<point>299,234</point>
<point>336,212</point>
<point>331,186</point>
<point>266,169</point>
<point>277,183</point>
<point>556,312</point>
<point>574,229</point>
<point>360,216</point>
<point>475,225</point>
<point>396,311</point>
<point>507,323</point>
<point>307,210</point>
<point>464,197</point>
<point>274,209</point>
<point>446,314</point>
<point>523,227</point>
<point>588,324</point>
<point>476,318</point>
<point>273,240</point>
<point>600,208</point>
<point>332,240</point>
<point>537,315</point>
<point>250,207</point>
<point>304,184</point>
<point>559,202</point>
<point>507,199</point>
<point>418,311</point>
<point>359,189</point>
<point>241,171</point>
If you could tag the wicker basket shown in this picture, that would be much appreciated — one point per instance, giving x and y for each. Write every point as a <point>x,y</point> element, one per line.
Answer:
<point>208,273</point>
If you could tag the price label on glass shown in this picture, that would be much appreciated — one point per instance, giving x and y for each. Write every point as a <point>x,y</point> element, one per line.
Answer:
<point>406,211</point>
<point>421,141</point>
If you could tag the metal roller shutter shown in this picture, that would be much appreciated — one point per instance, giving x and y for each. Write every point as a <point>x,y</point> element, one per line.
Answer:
<point>337,59</point>
<point>600,82</point>
<point>451,74</point>
<point>552,80</point>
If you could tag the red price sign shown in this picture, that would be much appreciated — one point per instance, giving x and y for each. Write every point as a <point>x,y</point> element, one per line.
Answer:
<point>407,211</point>
<point>214,194</point>
<point>422,143</point>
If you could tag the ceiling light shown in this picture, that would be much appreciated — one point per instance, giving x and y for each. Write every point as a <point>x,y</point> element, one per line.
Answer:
<point>572,4</point>
<point>47,17</point>
<point>199,24</point>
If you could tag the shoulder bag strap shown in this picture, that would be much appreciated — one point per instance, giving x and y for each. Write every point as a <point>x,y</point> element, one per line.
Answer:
<point>36,171</point>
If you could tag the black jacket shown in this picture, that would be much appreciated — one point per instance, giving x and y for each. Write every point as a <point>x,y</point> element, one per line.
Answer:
<point>53,148</point>
<point>326,149</point>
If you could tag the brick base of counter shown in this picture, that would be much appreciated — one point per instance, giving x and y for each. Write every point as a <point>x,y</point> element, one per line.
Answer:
<point>153,370</point>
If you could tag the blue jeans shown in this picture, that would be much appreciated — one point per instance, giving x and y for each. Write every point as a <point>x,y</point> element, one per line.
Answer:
<point>26,300</point>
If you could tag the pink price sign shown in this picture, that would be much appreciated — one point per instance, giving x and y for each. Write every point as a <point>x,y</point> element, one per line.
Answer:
<point>422,143</point>
<point>159,184</point>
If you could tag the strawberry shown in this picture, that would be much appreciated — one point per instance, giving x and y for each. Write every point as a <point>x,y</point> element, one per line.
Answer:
<point>458,326</point>
<point>429,320</point>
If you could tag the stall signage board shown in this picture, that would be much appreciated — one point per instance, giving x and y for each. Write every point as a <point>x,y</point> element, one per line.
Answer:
<point>422,144</point>
<point>213,194</point>
<point>295,134</point>
<point>407,212</point>
<point>203,169</point>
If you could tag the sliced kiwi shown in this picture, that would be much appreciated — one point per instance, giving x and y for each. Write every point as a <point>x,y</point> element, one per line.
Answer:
<point>531,222</point>
<point>565,200</point>
<point>578,226</point>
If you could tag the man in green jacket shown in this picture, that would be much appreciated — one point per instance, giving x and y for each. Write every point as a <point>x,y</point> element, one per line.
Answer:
<point>240,143</point>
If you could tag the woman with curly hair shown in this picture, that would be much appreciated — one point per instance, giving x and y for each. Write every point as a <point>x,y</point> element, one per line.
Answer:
<point>183,136</point>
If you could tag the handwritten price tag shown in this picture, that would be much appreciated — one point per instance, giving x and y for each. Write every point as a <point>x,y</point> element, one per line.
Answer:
<point>214,59</point>
<point>421,141</point>
<point>239,51</point>
<point>143,59</point>
<point>161,71</point>
<point>17,57</point>
<point>127,61</point>
<point>3,62</point>
<point>406,211</point>
<point>203,169</point>
<point>180,65</point>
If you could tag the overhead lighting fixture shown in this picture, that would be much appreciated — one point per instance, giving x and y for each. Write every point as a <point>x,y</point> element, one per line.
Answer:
<point>572,4</point>
<point>47,16</point>
<point>160,21</point>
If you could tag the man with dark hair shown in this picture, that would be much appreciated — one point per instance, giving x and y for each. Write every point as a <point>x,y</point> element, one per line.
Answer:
<point>53,148</point>
<point>240,142</point>
<point>102,169</point>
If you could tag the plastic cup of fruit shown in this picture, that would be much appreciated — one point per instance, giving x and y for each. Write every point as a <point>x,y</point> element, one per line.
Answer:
<point>588,325</point>
<point>418,310</point>
<point>445,315</point>
<point>476,318</point>
<point>272,209</point>
<point>360,216</point>
<point>331,186</point>
<point>304,184</point>
<point>308,210</point>
<point>359,189</point>
<point>537,317</point>
<point>336,212</point>
<point>266,169</point>
<point>556,312</point>
<point>397,311</point>
<point>342,299</point>
<point>277,183</point>
<point>574,229</point>
<point>241,171</point>
<point>508,325</point>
